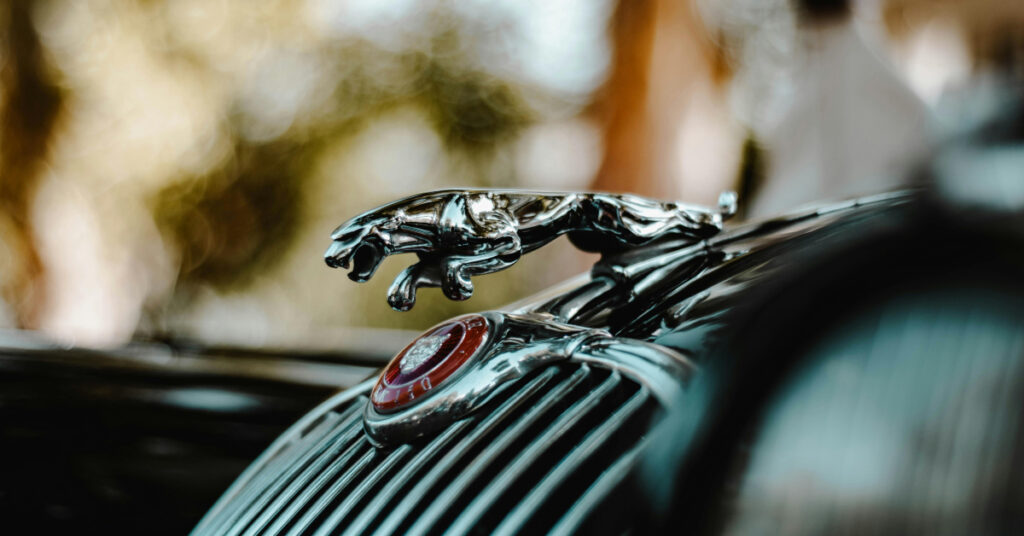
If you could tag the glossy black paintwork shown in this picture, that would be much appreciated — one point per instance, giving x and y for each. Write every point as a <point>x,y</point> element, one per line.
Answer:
<point>683,302</point>
<point>143,440</point>
<point>129,440</point>
<point>755,329</point>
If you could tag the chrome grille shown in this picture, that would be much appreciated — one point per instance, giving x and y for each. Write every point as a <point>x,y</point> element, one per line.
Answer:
<point>540,457</point>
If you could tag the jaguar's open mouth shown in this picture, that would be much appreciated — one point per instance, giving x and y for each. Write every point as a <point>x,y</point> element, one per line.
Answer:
<point>365,260</point>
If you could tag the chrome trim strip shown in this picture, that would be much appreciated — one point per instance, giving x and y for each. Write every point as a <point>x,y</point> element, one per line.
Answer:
<point>812,211</point>
<point>568,303</point>
<point>660,369</point>
<point>535,303</point>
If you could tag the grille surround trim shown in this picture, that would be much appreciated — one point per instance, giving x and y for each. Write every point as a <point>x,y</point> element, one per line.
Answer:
<point>517,344</point>
<point>378,479</point>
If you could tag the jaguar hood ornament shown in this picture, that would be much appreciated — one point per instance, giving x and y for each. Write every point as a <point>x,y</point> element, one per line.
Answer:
<point>458,234</point>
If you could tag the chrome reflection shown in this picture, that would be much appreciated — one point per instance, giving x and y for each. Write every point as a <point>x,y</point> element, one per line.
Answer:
<point>519,344</point>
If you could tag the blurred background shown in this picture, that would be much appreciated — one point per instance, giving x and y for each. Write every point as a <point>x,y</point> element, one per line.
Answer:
<point>172,169</point>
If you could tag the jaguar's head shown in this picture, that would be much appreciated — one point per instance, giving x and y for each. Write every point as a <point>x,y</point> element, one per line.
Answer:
<point>361,242</point>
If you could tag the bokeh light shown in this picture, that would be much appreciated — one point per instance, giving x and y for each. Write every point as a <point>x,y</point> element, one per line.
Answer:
<point>172,168</point>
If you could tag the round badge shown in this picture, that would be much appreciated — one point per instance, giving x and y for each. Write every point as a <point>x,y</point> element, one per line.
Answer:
<point>428,361</point>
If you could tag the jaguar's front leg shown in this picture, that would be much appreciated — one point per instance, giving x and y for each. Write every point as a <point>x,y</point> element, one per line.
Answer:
<point>425,273</point>
<point>451,272</point>
<point>456,270</point>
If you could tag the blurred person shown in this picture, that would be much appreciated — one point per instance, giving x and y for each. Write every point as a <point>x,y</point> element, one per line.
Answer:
<point>983,41</point>
<point>830,119</point>
<point>667,128</point>
<point>850,126</point>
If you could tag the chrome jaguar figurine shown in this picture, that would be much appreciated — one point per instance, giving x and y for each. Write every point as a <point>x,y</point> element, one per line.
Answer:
<point>461,233</point>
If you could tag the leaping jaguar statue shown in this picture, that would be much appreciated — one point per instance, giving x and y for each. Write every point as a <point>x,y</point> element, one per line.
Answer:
<point>461,233</point>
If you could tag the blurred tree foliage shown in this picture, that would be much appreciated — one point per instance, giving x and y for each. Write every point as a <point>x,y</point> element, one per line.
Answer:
<point>258,97</point>
<point>199,152</point>
<point>237,221</point>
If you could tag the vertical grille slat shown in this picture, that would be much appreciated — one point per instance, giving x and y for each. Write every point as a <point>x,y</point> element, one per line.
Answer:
<point>500,444</point>
<point>295,471</point>
<point>312,479</point>
<point>399,513</point>
<point>302,502</point>
<point>569,463</point>
<point>403,478</point>
<point>544,455</point>
<point>269,471</point>
<point>604,485</point>
<point>265,474</point>
<point>286,472</point>
<point>353,496</point>
<point>476,509</point>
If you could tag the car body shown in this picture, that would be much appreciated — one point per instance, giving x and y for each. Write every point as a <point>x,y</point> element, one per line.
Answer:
<point>633,398</point>
<point>849,367</point>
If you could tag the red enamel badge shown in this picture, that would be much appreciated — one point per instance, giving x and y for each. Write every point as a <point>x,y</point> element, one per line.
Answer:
<point>428,361</point>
